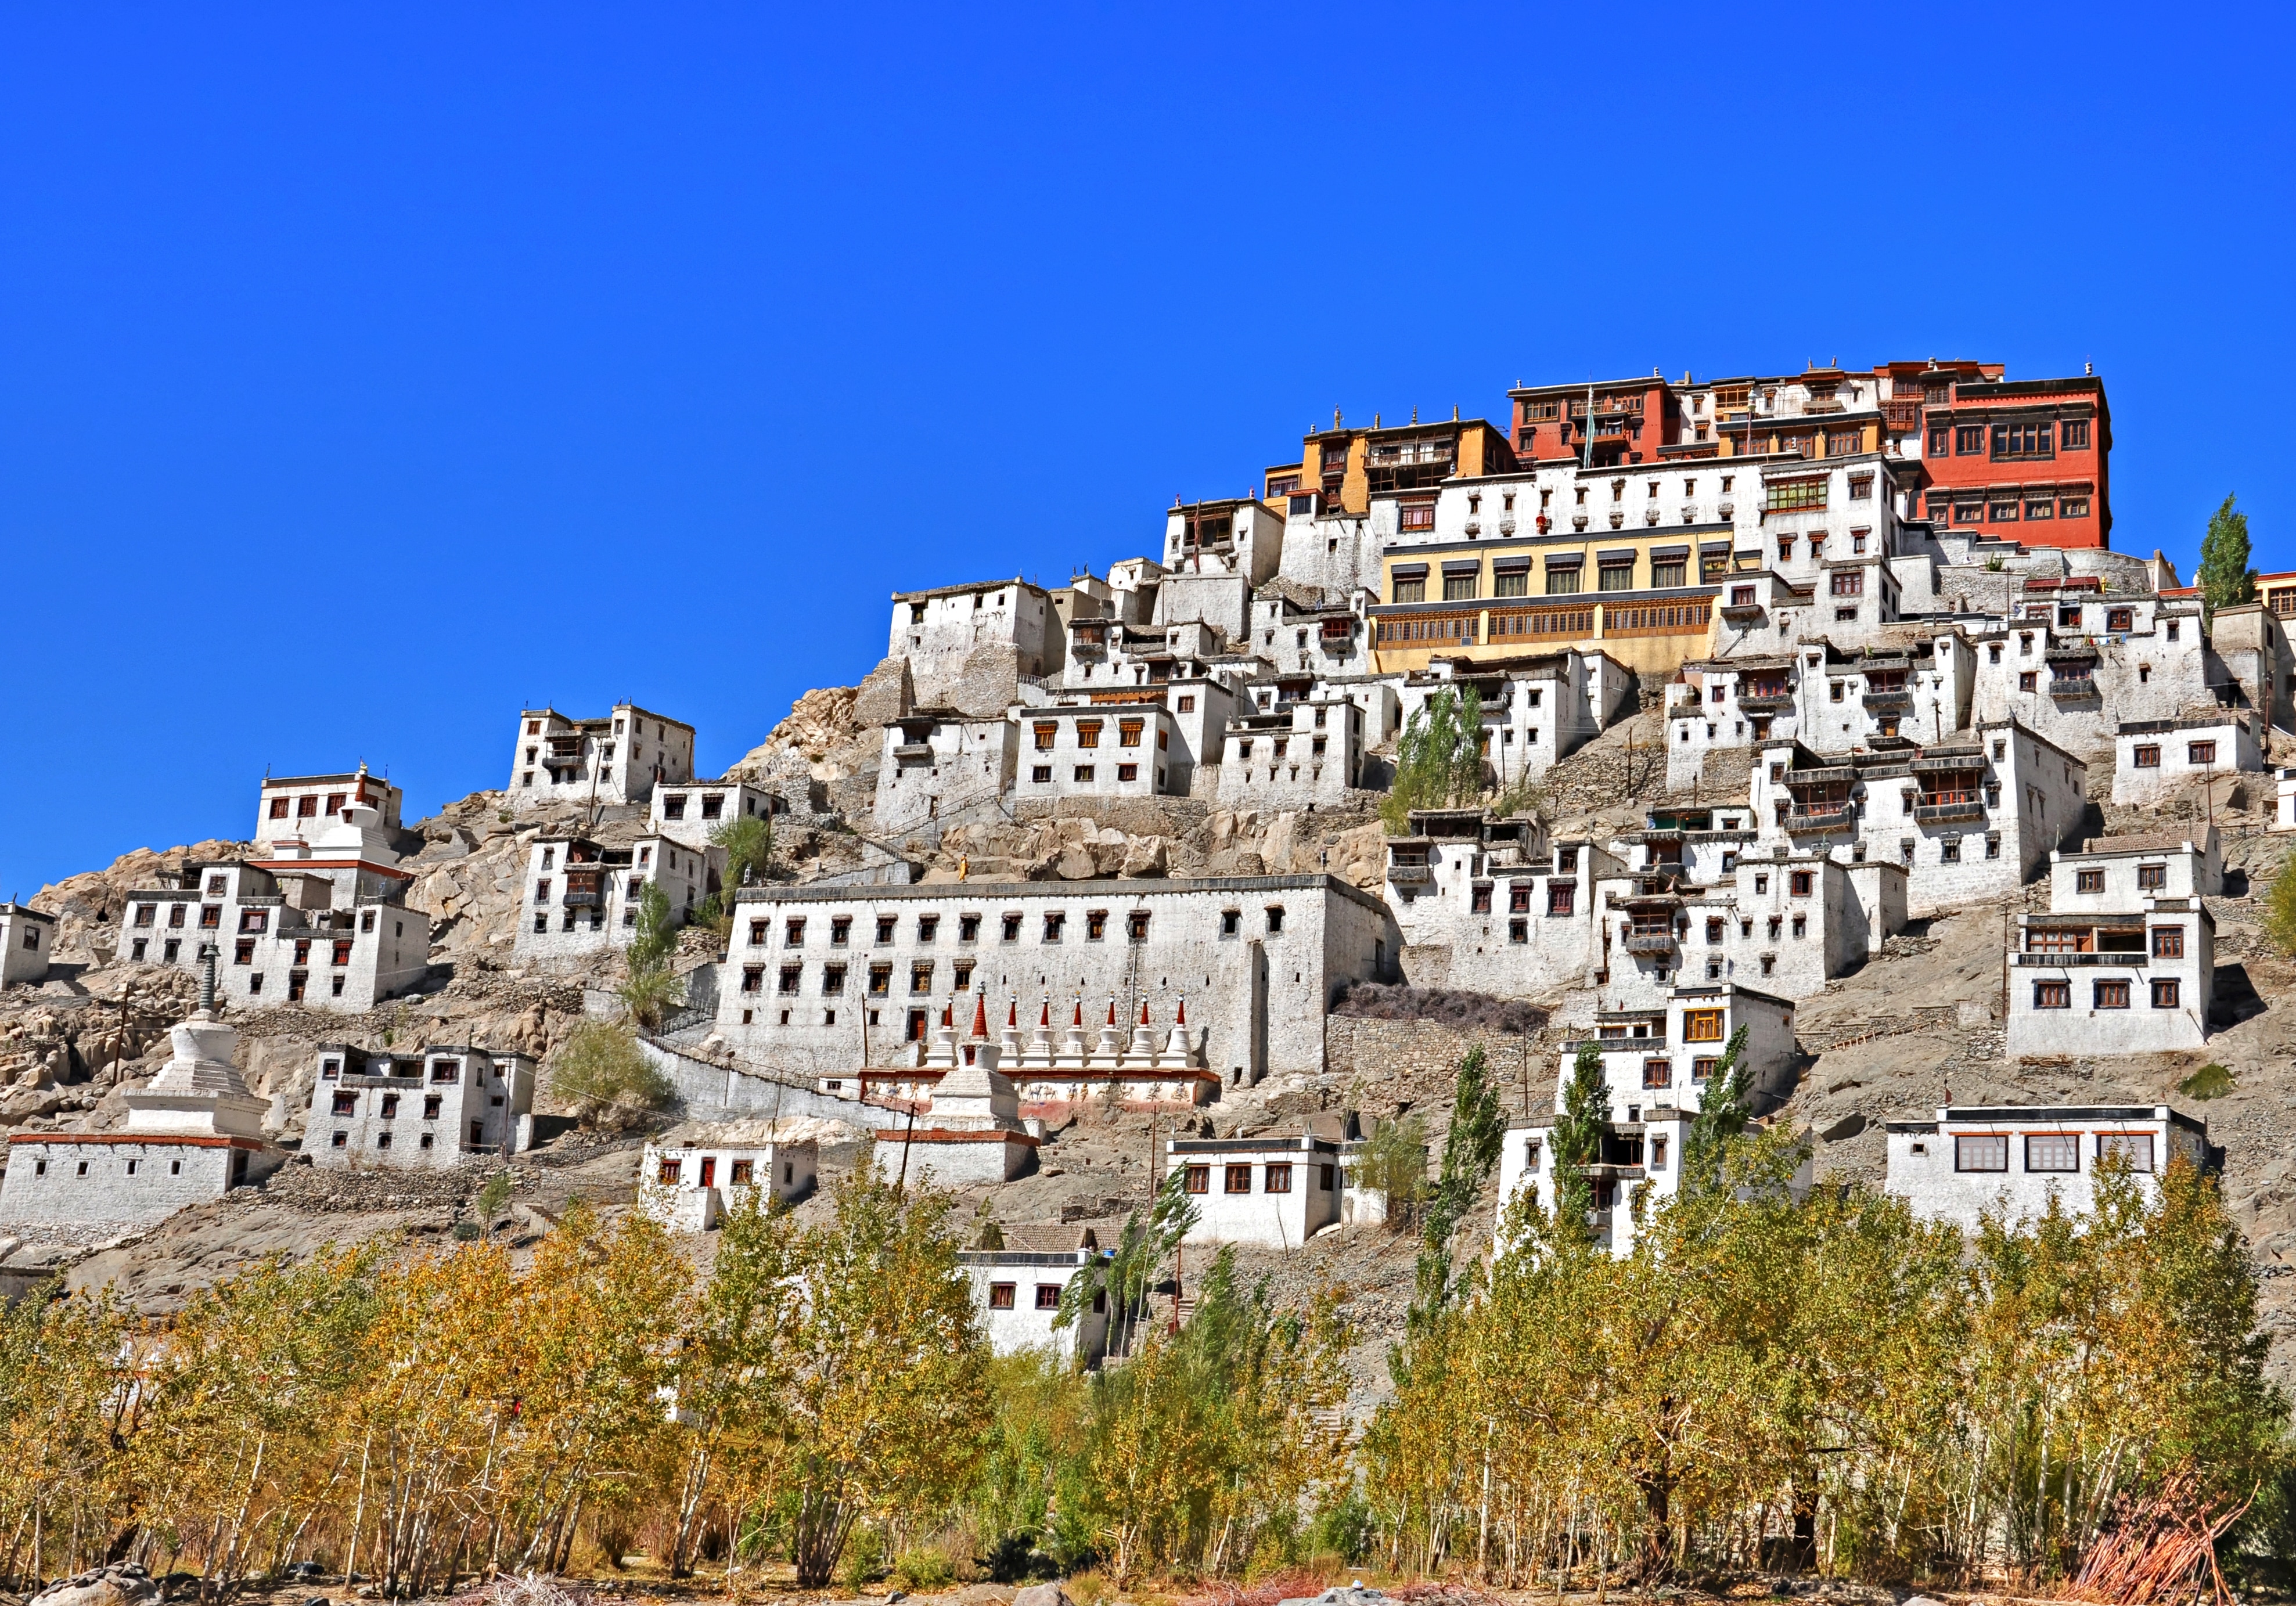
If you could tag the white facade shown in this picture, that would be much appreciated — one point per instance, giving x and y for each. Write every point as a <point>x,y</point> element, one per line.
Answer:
<point>2283,801</point>
<point>1317,642</point>
<point>281,938</point>
<point>620,759</point>
<point>26,939</point>
<point>1536,709</point>
<point>1125,749</point>
<point>2074,665</point>
<point>688,812</point>
<point>829,981</point>
<point>938,631</point>
<point>937,764</point>
<point>295,806</point>
<point>1016,1295</point>
<point>1275,1190</point>
<point>694,1184</point>
<point>581,898</point>
<point>2010,1160</point>
<point>1306,752</point>
<point>2125,962</point>
<point>1492,906</point>
<point>1243,537</point>
<point>1665,1055</point>
<point>2157,759</point>
<point>423,1109</point>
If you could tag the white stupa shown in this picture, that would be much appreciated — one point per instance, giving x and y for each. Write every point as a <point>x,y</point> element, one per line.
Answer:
<point>972,1131</point>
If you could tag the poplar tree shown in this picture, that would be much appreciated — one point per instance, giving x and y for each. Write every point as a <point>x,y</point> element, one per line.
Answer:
<point>2226,579</point>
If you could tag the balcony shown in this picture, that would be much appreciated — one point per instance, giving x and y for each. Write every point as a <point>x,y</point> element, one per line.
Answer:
<point>1650,942</point>
<point>1826,817</point>
<point>1829,774</point>
<point>1896,701</point>
<point>1901,414</point>
<point>1768,702</point>
<point>1956,764</point>
<point>1410,875</point>
<point>2047,961</point>
<point>1741,613</point>
<point>2069,686</point>
<point>583,900</point>
<point>1942,807</point>
<point>913,752</point>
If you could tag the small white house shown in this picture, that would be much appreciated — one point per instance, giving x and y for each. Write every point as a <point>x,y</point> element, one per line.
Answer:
<point>618,759</point>
<point>298,806</point>
<point>423,1109</point>
<point>2283,801</point>
<point>690,1181</point>
<point>2157,758</point>
<point>1278,1189</point>
<point>1016,1293</point>
<point>2009,1160</point>
<point>1665,1056</point>
<point>688,812</point>
<point>26,939</point>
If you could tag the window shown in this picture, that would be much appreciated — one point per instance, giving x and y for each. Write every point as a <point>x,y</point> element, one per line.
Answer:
<point>1702,1025</point>
<point>880,981</point>
<point>1040,774</point>
<point>1084,772</point>
<point>2052,1151</point>
<point>1199,1179</point>
<point>1088,732</point>
<point>2053,995</point>
<point>792,975</point>
<point>1053,924</point>
<point>1701,1070</point>
<point>1000,1295</point>
<point>1128,733</point>
<point>2089,881</point>
<point>1238,1180</point>
<point>1668,572</point>
<point>2146,756</point>
<point>928,927</point>
<point>2201,752</point>
<point>2073,434</point>
<point>884,930</point>
<point>1513,582</point>
<point>2029,681</point>
<point>1048,1295</point>
<point>1012,927</point>
<point>1988,1153</point>
<point>1861,488</point>
<point>1848,582</point>
<point>1561,897</point>
<point>2168,942</point>
<point>792,933</point>
<point>1136,925</point>
<point>1616,577</point>
<point>345,1103</point>
<point>1949,851</point>
<point>1275,919</point>
<point>1561,581</point>
<point>1279,1179</point>
<point>1658,1073</point>
<point>921,977</point>
<point>2152,878</point>
<point>2133,1148</point>
<point>1410,591</point>
<point>2166,995</point>
<point>1046,731</point>
<point>832,981</point>
<point>1518,931</point>
<point>1969,440</point>
<point>2111,995</point>
<point>1461,587</point>
<point>1786,495</point>
<point>2077,507</point>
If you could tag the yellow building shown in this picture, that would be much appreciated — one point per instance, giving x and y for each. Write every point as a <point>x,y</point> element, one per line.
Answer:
<point>1345,468</point>
<point>1647,597</point>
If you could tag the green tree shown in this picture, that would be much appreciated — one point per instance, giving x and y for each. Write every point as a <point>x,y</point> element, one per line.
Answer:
<point>1723,1111</point>
<point>1439,760</point>
<point>749,845</point>
<point>655,935</point>
<point>2225,580</point>
<point>1393,1164</point>
<point>602,1071</point>
<point>1471,1151</point>
<point>1576,1137</point>
<point>1132,1267</point>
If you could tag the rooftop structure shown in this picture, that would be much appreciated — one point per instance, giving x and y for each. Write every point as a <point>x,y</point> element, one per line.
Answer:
<point>420,1109</point>
<point>2009,1160</point>
<point>617,758</point>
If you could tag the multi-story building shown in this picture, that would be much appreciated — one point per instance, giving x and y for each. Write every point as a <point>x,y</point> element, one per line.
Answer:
<point>2008,1161</point>
<point>939,631</point>
<point>689,813</point>
<point>1307,752</point>
<point>1095,749</point>
<point>1538,707</point>
<point>1016,1295</point>
<point>2125,961</point>
<point>2022,458</point>
<point>294,806</point>
<point>2157,759</point>
<point>827,983</point>
<point>2071,661</point>
<point>26,939</point>
<point>421,1109</point>
<point>616,759</point>
<point>1320,641</point>
<point>1345,495</point>
<point>580,896</point>
<point>938,763</point>
<point>1278,1189</point>
<point>1971,817</point>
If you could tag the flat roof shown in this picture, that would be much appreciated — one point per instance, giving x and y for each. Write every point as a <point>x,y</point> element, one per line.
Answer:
<point>1140,886</point>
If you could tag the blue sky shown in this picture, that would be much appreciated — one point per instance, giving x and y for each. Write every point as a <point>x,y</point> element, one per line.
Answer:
<point>365,374</point>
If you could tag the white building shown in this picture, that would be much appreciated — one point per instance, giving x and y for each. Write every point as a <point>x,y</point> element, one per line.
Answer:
<point>1491,906</point>
<point>689,812</point>
<point>620,759</point>
<point>2125,962</point>
<point>1310,752</point>
<point>1971,817</point>
<point>297,806</point>
<point>1538,707</point>
<point>939,631</point>
<point>193,1134</point>
<point>938,763</point>
<point>1016,1294</point>
<point>2009,1160</point>
<point>828,981</point>
<point>2157,759</point>
<point>423,1109</point>
<point>2284,802</point>
<point>1097,749</point>
<point>581,897</point>
<point>26,939</point>
<point>1666,1055</point>
<point>1057,1070</point>
<point>1277,1189</point>
<point>692,1180</point>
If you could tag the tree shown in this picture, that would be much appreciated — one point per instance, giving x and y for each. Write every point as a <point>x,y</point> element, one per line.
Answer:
<point>1130,1270</point>
<point>602,1071</point>
<point>1576,1137</point>
<point>2225,580</point>
<point>2280,904</point>
<point>1438,761</point>
<point>1393,1164</point>
<point>749,845</point>
<point>655,936</point>
<point>1723,1111</point>
<point>1470,1149</point>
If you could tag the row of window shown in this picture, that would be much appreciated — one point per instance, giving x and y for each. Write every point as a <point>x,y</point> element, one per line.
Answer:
<point>1083,774</point>
<point>670,1172</point>
<point>422,1140</point>
<point>306,807</point>
<point>2052,1151</point>
<point>1277,1177</point>
<point>2150,878</point>
<point>1963,507</point>
<point>1136,923</point>
<point>147,916</point>
<point>2027,439</point>
<point>1129,734</point>
<point>2167,994</point>
<point>1048,1297</point>
<point>2146,754</point>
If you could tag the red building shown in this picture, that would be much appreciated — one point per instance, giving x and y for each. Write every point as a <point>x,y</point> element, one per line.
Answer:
<point>2023,460</point>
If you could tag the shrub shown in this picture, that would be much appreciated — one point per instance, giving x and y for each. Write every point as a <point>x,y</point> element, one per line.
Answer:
<point>923,1569</point>
<point>1393,1164</point>
<point>602,1073</point>
<point>650,994</point>
<point>2210,1081</point>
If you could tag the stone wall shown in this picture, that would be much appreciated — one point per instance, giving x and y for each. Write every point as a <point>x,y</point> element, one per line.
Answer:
<point>1390,1063</point>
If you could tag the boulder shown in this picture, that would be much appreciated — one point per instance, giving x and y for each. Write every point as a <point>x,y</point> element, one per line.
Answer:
<point>1351,1595</point>
<point>121,1586</point>
<point>1041,1594</point>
